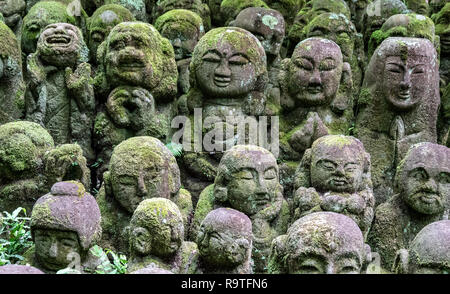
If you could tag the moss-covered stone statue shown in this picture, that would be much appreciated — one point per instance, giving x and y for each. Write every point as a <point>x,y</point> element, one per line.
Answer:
<point>248,181</point>
<point>229,9</point>
<point>429,252</point>
<point>287,8</point>
<point>60,95</point>
<point>404,25</point>
<point>334,175</point>
<point>228,77</point>
<point>140,168</point>
<point>418,6</point>
<point>156,238</point>
<point>163,6</point>
<point>104,19</point>
<point>183,28</point>
<point>435,6</point>
<point>13,12</point>
<point>30,164</point>
<point>65,224</point>
<point>17,269</point>
<point>137,7</point>
<point>12,86</point>
<point>398,105</point>
<point>320,243</point>
<point>357,8</point>
<point>312,9</point>
<point>442,22</point>
<point>422,187</point>
<point>268,26</point>
<point>225,243</point>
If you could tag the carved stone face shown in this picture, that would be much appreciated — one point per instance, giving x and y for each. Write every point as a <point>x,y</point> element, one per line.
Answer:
<point>253,178</point>
<point>156,228</point>
<point>60,44</point>
<point>102,22</point>
<point>315,72</point>
<point>130,107</point>
<point>266,24</point>
<point>54,246</point>
<point>442,22</point>
<point>325,243</point>
<point>142,168</point>
<point>408,67</point>
<point>227,62</point>
<point>337,164</point>
<point>225,238</point>
<point>424,178</point>
<point>429,252</point>
<point>418,6</point>
<point>41,15</point>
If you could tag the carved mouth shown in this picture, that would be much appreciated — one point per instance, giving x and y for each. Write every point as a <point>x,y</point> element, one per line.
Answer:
<point>428,197</point>
<point>404,95</point>
<point>59,40</point>
<point>131,64</point>
<point>314,89</point>
<point>222,82</point>
<point>339,182</point>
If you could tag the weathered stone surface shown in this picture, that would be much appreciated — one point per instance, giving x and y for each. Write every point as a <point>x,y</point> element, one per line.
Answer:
<point>16,269</point>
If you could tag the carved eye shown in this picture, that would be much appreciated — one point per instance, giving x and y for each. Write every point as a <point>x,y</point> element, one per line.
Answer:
<point>394,68</point>
<point>270,174</point>
<point>97,36</point>
<point>327,64</point>
<point>245,175</point>
<point>68,242</point>
<point>238,60</point>
<point>33,28</point>
<point>259,37</point>
<point>328,165</point>
<point>304,64</point>
<point>444,178</point>
<point>343,35</point>
<point>211,57</point>
<point>127,180</point>
<point>118,45</point>
<point>348,269</point>
<point>316,32</point>
<point>419,174</point>
<point>418,70</point>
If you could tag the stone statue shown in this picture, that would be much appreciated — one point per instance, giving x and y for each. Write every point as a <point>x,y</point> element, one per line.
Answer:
<point>418,6</point>
<point>60,95</point>
<point>248,181</point>
<point>320,243</point>
<point>334,175</point>
<point>398,105</point>
<point>140,168</point>
<point>12,86</point>
<point>287,8</point>
<point>13,12</point>
<point>225,242</point>
<point>136,7</point>
<point>183,28</point>
<point>429,252</point>
<point>65,224</point>
<point>16,269</point>
<point>422,197</point>
<point>202,9</point>
<point>156,237</point>
<point>229,9</point>
<point>30,164</point>
<point>442,23</point>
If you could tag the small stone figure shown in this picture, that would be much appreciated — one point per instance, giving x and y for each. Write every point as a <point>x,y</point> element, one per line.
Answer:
<point>183,28</point>
<point>357,8</point>
<point>334,175</point>
<point>136,7</point>
<point>418,6</point>
<point>156,237</point>
<point>12,87</point>
<point>398,105</point>
<point>65,224</point>
<point>140,168</point>
<point>429,252</point>
<point>225,242</point>
<point>202,9</point>
<point>60,95</point>
<point>16,269</point>
<point>320,243</point>
<point>30,164</point>
<point>229,9</point>
<point>248,181</point>
<point>287,8</point>
<point>13,11</point>
<point>104,19</point>
<point>422,197</point>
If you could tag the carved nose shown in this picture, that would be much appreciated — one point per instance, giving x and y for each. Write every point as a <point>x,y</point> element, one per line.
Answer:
<point>223,70</point>
<point>176,43</point>
<point>330,269</point>
<point>261,189</point>
<point>406,83</point>
<point>53,251</point>
<point>340,170</point>
<point>142,189</point>
<point>315,79</point>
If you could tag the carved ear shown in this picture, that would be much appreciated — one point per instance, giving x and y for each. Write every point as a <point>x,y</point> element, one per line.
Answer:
<point>303,173</point>
<point>220,193</point>
<point>107,183</point>
<point>285,101</point>
<point>343,98</point>
<point>401,261</point>
<point>278,256</point>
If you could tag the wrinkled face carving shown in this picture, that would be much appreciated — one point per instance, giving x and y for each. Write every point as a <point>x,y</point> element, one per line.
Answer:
<point>418,6</point>
<point>100,28</point>
<point>54,246</point>
<point>183,37</point>
<point>17,157</point>
<point>130,107</point>
<point>442,22</point>
<point>426,182</point>
<point>225,72</point>
<point>59,44</point>
<point>405,81</point>
<point>339,171</point>
<point>255,183</point>
<point>163,241</point>
<point>315,72</point>
<point>223,247</point>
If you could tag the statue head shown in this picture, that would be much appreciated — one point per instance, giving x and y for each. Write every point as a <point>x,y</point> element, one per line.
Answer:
<point>183,28</point>
<point>266,24</point>
<point>423,178</point>
<point>428,253</point>
<point>10,54</point>
<point>156,228</point>
<point>321,243</point>
<point>65,221</point>
<point>229,9</point>
<point>16,269</point>
<point>12,11</point>
<point>311,77</point>
<point>196,6</point>
<point>141,168</point>
<point>136,7</point>
<point>135,54</point>
<point>38,17</point>
<point>104,19</point>
<point>418,6</point>
<point>62,45</point>
<point>228,62</point>
<point>335,163</point>
<point>225,239</point>
<point>247,179</point>
<point>442,22</point>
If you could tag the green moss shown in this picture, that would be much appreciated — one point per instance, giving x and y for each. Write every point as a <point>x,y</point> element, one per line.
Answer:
<point>205,204</point>
<point>9,46</point>
<point>365,96</point>
<point>183,18</point>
